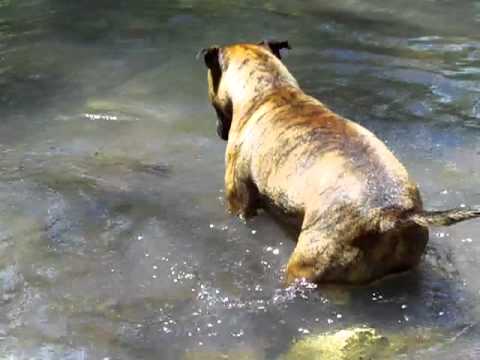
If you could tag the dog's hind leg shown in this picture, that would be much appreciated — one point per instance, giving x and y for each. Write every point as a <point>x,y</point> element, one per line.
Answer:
<point>317,258</point>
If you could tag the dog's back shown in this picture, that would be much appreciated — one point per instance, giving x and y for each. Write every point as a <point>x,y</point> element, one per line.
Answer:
<point>300,146</point>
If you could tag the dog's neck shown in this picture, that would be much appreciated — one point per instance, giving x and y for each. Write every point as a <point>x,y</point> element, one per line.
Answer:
<point>246,87</point>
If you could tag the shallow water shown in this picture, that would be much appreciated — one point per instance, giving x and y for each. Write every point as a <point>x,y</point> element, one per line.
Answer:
<point>114,242</point>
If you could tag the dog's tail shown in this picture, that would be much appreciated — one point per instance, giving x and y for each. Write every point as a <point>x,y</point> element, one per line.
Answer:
<point>443,218</point>
<point>391,219</point>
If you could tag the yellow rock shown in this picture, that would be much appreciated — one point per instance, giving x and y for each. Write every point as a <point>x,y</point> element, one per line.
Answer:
<point>360,344</point>
<point>351,344</point>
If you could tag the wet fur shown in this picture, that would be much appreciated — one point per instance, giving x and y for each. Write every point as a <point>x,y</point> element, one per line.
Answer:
<point>359,214</point>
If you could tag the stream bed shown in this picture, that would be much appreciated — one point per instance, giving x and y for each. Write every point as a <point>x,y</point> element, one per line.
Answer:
<point>114,241</point>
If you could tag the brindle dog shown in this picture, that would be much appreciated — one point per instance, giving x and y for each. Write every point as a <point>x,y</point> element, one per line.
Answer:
<point>361,214</point>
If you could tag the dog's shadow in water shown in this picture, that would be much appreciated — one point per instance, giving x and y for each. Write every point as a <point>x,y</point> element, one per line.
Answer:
<point>430,295</point>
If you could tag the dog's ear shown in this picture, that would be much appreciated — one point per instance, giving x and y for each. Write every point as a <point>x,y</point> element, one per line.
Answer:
<point>275,46</point>
<point>211,56</point>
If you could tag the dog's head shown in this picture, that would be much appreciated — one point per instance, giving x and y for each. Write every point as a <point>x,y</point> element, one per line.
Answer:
<point>217,60</point>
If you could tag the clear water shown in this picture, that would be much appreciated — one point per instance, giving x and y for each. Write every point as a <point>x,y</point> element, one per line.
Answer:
<point>114,242</point>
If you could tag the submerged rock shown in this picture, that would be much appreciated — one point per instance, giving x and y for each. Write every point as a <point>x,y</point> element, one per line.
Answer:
<point>359,344</point>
